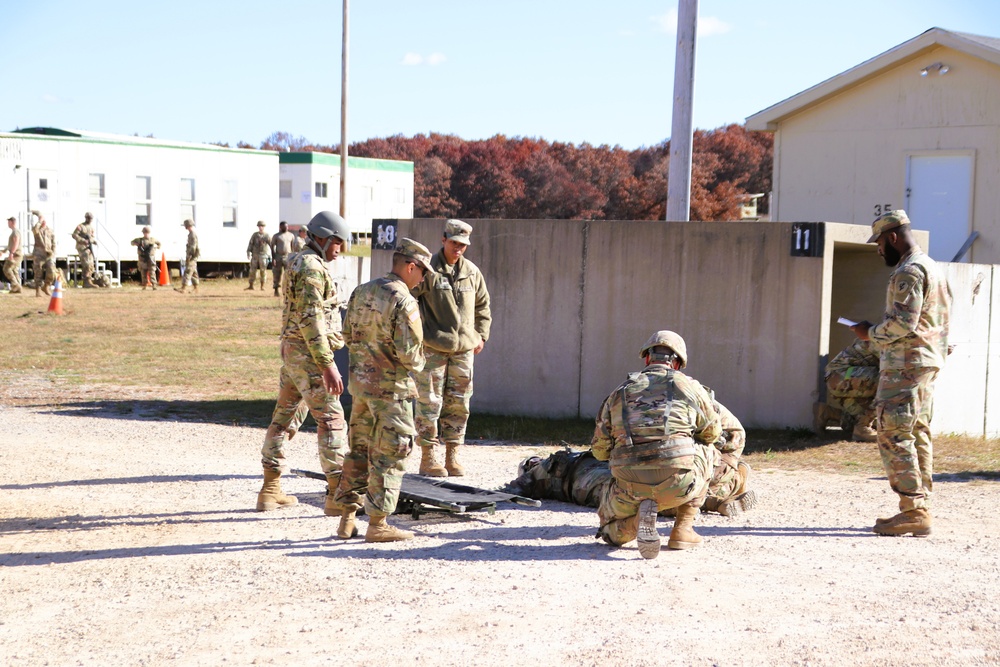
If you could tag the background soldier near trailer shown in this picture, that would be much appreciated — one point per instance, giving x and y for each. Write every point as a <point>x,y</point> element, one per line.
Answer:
<point>86,239</point>
<point>15,253</point>
<point>281,246</point>
<point>258,250</point>
<point>43,255</point>
<point>191,254</point>
<point>145,247</point>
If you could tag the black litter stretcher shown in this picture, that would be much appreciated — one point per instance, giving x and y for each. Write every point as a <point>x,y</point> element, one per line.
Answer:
<point>422,494</point>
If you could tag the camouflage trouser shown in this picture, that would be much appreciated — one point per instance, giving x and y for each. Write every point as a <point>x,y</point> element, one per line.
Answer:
<point>854,391</point>
<point>903,411</point>
<point>12,271</point>
<point>147,271</point>
<point>302,380</point>
<point>277,266</point>
<point>618,511</point>
<point>382,436</point>
<point>445,389</point>
<point>87,263</point>
<point>45,271</point>
<point>191,272</point>
<point>258,268</point>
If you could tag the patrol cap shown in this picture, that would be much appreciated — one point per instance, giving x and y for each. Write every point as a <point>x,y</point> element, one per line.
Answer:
<point>88,215</point>
<point>458,231</point>
<point>667,339</point>
<point>415,251</point>
<point>188,223</point>
<point>890,220</point>
<point>12,218</point>
<point>261,223</point>
<point>145,230</point>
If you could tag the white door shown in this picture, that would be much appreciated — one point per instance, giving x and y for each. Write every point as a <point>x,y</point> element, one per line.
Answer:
<point>939,199</point>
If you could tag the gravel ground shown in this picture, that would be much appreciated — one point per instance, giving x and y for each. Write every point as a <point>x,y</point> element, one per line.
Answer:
<point>128,541</point>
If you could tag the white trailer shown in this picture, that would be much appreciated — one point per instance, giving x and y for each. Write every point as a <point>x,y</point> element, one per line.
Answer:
<point>310,183</point>
<point>129,182</point>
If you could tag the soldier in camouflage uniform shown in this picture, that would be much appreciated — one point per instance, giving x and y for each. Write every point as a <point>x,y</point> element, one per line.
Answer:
<point>455,309</point>
<point>15,253</point>
<point>146,247</point>
<point>385,339</point>
<point>43,254</point>
<point>656,430</point>
<point>85,241</point>
<point>310,335</point>
<point>912,339</point>
<point>258,250</point>
<point>851,381</point>
<point>281,246</point>
<point>579,478</point>
<point>191,254</point>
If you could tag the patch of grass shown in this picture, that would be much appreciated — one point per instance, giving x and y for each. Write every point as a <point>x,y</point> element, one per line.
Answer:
<point>534,430</point>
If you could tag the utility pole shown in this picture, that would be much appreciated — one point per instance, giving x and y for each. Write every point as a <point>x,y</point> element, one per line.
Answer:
<point>343,117</point>
<point>679,172</point>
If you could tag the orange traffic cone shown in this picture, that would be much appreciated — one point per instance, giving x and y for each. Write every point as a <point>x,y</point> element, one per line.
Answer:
<point>55,303</point>
<point>164,271</point>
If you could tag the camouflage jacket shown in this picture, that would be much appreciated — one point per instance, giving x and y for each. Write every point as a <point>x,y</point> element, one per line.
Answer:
<point>83,235</point>
<point>660,405</point>
<point>260,244</point>
<point>14,243</point>
<point>385,338</point>
<point>454,305</point>
<point>191,250</point>
<point>45,241</point>
<point>914,331</point>
<point>312,312</point>
<point>146,248</point>
<point>734,437</point>
<point>858,354</point>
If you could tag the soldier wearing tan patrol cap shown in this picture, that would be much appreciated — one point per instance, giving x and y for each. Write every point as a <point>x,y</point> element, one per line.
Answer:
<point>385,340</point>
<point>912,340</point>
<point>656,430</point>
<point>15,253</point>
<point>455,308</point>
<point>258,252</point>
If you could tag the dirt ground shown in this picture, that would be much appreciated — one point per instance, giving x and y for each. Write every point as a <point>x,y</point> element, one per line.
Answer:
<point>130,541</point>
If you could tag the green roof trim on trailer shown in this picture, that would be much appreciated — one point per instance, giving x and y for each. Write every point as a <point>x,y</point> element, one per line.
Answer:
<point>56,134</point>
<point>333,160</point>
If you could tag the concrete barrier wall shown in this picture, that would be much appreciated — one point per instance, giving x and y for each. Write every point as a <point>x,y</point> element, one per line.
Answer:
<point>573,302</point>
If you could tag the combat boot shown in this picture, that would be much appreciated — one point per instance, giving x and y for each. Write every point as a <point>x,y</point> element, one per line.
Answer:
<point>683,536</point>
<point>347,528</point>
<point>275,291</point>
<point>648,538</point>
<point>380,531</point>
<point>864,433</point>
<point>451,463</point>
<point>743,499</point>
<point>271,497</point>
<point>429,464</point>
<point>823,414</point>
<point>38,290</point>
<point>916,521</point>
<point>249,289</point>
<point>331,507</point>
<point>181,289</point>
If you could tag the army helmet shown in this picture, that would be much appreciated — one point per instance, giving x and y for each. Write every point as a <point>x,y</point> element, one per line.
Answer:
<point>326,224</point>
<point>667,339</point>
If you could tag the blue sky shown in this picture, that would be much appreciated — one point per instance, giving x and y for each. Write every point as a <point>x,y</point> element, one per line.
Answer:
<point>562,70</point>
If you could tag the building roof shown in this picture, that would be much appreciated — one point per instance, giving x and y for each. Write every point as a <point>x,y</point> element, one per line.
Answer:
<point>985,48</point>
<point>333,160</point>
<point>58,133</point>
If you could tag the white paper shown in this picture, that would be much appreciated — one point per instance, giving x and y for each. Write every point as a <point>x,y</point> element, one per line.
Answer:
<point>846,322</point>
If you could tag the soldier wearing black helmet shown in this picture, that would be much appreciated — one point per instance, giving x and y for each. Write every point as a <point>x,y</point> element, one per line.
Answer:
<point>310,334</point>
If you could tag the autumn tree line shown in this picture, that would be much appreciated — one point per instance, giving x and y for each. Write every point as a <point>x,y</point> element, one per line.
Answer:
<point>525,178</point>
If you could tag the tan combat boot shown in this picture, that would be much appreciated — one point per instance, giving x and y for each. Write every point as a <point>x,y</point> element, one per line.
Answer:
<point>380,531</point>
<point>347,528</point>
<point>683,536</point>
<point>429,464</point>
<point>743,499</point>
<point>864,433</point>
<point>451,463</point>
<point>271,497</point>
<point>647,537</point>
<point>330,506</point>
<point>823,415</point>
<point>275,291</point>
<point>916,521</point>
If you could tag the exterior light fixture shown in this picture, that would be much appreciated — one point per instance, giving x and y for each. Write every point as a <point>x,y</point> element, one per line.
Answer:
<point>940,68</point>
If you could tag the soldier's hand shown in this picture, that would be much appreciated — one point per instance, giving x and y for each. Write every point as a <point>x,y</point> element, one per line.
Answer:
<point>479,348</point>
<point>332,381</point>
